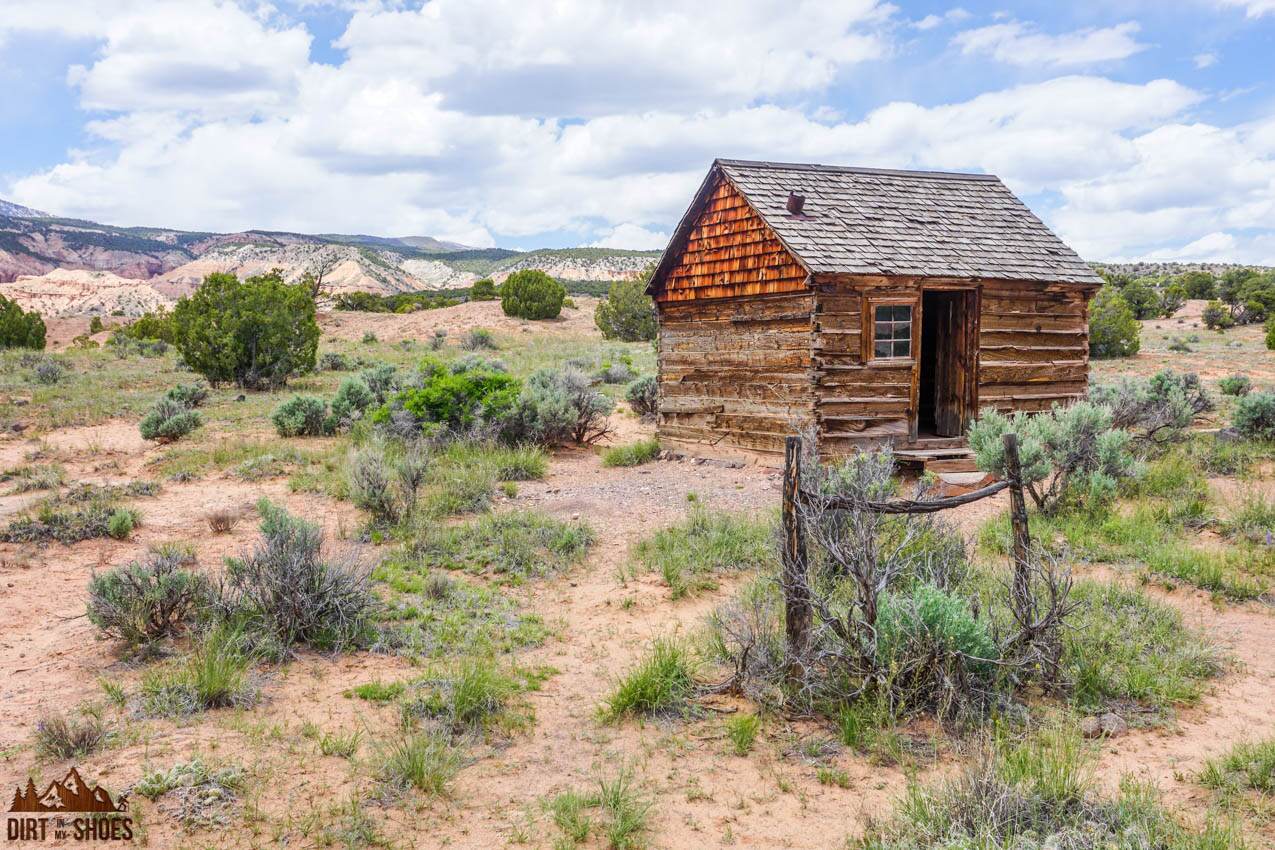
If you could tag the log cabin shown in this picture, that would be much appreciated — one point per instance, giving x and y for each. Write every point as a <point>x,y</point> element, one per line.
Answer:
<point>866,305</point>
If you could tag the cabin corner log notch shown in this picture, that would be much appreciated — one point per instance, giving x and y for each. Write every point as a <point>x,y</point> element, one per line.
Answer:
<point>887,308</point>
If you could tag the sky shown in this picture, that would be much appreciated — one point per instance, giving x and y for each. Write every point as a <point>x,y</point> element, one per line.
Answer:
<point>1137,130</point>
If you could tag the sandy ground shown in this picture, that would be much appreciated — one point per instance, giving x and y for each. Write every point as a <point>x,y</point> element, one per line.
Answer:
<point>456,321</point>
<point>704,796</point>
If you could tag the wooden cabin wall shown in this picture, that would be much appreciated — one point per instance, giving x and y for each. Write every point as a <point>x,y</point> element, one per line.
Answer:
<point>731,252</point>
<point>858,403</point>
<point>1033,345</point>
<point>735,372</point>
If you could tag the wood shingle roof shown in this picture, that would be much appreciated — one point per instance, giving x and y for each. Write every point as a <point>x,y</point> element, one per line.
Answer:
<point>897,223</point>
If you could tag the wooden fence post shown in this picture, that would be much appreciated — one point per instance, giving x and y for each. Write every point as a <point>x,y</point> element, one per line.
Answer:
<point>797,609</point>
<point>1018,519</point>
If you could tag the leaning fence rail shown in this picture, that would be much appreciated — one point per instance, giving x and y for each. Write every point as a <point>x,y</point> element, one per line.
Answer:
<point>795,573</point>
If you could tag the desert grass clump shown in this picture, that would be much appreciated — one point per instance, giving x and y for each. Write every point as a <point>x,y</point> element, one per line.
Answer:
<point>661,683</point>
<point>426,760</point>
<point>741,731</point>
<point>688,556</point>
<point>1251,519</point>
<point>514,546</point>
<point>34,477</point>
<point>1124,647</point>
<point>58,738</point>
<point>147,601</point>
<point>620,813</point>
<point>121,522</point>
<point>85,512</point>
<point>1038,791</point>
<point>341,744</point>
<point>213,675</point>
<point>473,695</point>
<point>286,592</point>
<point>632,454</point>
<point>222,520</point>
<point>1247,766</point>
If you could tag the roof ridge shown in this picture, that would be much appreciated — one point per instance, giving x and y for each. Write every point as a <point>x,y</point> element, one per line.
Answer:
<point>850,169</point>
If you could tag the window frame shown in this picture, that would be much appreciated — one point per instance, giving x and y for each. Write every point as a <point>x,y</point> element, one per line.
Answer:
<point>870,356</point>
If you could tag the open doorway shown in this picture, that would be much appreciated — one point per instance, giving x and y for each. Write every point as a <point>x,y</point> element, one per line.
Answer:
<point>945,381</point>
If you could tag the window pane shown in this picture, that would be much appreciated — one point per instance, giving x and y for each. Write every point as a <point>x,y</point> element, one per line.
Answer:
<point>903,349</point>
<point>903,312</point>
<point>883,348</point>
<point>903,330</point>
<point>883,314</point>
<point>883,330</point>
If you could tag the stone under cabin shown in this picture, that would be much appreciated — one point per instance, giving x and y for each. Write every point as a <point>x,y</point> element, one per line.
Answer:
<point>864,305</point>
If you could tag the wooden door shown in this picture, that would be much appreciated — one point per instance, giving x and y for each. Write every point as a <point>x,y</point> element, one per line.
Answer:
<point>951,363</point>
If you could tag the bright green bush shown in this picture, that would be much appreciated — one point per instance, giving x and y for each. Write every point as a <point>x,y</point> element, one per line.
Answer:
<point>1198,285</point>
<point>156,325</point>
<point>20,328</point>
<point>121,522</point>
<point>627,313</point>
<point>1113,328</point>
<point>255,333</point>
<point>455,400</point>
<point>188,395</point>
<point>483,290</point>
<point>1254,416</point>
<point>302,416</point>
<point>532,294</point>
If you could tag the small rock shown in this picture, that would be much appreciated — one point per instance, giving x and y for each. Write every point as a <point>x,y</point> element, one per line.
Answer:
<point>1113,725</point>
<point>18,427</point>
<point>1090,727</point>
<point>241,397</point>
<point>1229,435</point>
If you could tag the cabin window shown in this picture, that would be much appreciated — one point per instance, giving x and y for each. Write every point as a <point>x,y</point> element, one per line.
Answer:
<point>892,331</point>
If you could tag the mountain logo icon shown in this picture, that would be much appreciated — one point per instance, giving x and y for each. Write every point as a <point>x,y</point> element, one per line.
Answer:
<point>69,794</point>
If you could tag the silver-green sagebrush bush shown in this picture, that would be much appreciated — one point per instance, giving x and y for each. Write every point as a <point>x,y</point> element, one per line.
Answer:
<point>148,600</point>
<point>1078,446</point>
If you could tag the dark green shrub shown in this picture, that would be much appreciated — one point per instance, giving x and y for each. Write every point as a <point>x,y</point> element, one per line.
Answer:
<point>531,294</point>
<point>20,328</point>
<point>156,325</point>
<point>1142,299</point>
<point>1198,285</point>
<point>144,602</point>
<point>302,416</point>
<point>168,420</point>
<point>1270,333</point>
<point>1113,329</point>
<point>643,396</point>
<point>1235,385</point>
<point>255,333</point>
<point>1172,299</point>
<point>1216,316</point>
<point>483,290</point>
<point>627,313</point>
<point>95,325</point>
<point>1254,416</point>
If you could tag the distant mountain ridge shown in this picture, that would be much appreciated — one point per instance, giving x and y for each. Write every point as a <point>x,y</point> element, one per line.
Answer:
<point>42,256</point>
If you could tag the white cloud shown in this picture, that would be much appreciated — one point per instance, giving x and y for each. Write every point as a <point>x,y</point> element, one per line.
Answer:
<point>1205,60</point>
<point>1021,44</point>
<point>633,237</point>
<point>1253,8</point>
<point>482,120</point>
<point>930,22</point>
